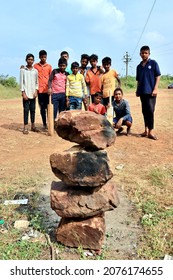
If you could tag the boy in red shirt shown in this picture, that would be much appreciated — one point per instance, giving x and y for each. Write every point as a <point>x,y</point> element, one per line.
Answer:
<point>96,106</point>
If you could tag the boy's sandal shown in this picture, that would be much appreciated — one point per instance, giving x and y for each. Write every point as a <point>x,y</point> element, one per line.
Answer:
<point>151,136</point>
<point>34,129</point>
<point>25,131</point>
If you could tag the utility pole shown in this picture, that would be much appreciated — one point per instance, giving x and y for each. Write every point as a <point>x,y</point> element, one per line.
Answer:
<point>126,59</point>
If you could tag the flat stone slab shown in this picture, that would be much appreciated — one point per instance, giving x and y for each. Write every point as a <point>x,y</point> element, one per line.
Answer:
<point>69,201</point>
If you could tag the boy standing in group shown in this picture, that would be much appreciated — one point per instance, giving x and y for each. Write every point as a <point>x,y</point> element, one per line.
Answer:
<point>93,76</point>
<point>75,88</point>
<point>44,69</point>
<point>82,70</point>
<point>65,54</point>
<point>57,86</point>
<point>29,89</point>
<point>148,77</point>
<point>84,64</point>
<point>108,81</point>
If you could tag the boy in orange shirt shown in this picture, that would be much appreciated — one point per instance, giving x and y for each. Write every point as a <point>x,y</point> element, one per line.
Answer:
<point>108,81</point>
<point>44,70</point>
<point>93,76</point>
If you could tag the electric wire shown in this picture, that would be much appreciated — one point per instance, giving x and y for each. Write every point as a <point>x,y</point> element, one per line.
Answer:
<point>144,27</point>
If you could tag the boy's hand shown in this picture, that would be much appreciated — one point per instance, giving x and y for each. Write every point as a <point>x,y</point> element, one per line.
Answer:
<point>67,102</point>
<point>25,97</point>
<point>82,71</point>
<point>154,93</point>
<point>49,91</point>
<point>101,70</point>
<point>35,93</point>
<point>96,111</point>
<point>119,123</point>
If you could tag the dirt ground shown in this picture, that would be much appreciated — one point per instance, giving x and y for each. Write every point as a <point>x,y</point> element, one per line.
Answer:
<point>30,153</point>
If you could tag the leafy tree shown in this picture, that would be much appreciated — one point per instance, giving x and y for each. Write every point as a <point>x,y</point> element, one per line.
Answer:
<point>7,81</point>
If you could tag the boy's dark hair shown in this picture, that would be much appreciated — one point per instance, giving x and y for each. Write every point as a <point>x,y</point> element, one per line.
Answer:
<point>42,52</point>
<point>118,89</point>
<point>85,56</point>
<point>93,57</point>
<point>100,94</point>
<point>74,64</point>
<point>62,61</point>
<point>29,55</point>
<point>144,48</point>
<point>106,60</point>
<point>64,52</point>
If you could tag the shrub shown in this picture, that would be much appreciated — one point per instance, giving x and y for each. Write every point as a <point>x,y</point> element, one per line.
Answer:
<point>8,81</point>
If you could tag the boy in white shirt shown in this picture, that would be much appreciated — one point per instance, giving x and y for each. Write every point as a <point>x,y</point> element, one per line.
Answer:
<point>29,89</point>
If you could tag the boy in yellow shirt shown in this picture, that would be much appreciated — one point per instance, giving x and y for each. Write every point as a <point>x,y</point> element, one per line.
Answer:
<point>76,88</point>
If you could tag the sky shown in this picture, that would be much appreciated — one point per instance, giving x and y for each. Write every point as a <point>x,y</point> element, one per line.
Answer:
<point>103,27</point>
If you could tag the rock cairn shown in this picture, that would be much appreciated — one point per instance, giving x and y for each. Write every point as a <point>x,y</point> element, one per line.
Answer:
<point>86,190</point>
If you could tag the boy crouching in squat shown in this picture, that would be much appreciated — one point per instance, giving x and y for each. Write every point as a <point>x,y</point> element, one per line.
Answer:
<point>122,111</point>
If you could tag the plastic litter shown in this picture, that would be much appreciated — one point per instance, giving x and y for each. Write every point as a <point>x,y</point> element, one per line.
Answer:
<point>16,201</point>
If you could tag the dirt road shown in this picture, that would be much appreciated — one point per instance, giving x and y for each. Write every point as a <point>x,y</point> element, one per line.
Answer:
<point>29,154</point>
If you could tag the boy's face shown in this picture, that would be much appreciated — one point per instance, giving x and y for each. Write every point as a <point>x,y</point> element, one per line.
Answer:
<point>62,67</point>
<point>145,54</point>
<point>65,56</point>
<point>75,70</point>
<point>106,66</point>
<point>43,58</point>
<point>84,63</point>
<point>30,61</point>
<point>93,62</point>
<point>118,95</point>
<point>97,99</point>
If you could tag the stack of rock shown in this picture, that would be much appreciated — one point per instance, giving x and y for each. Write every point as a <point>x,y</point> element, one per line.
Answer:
<point>86,190</point>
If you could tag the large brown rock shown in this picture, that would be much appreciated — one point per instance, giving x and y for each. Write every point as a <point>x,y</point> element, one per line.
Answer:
<point>87,233</point>
<point>86,128</point>
<point>70,201</point>
<point>79,167</point>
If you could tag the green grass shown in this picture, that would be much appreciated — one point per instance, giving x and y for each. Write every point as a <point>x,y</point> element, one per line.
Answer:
<point>22,250</point>
<point>9,93</point>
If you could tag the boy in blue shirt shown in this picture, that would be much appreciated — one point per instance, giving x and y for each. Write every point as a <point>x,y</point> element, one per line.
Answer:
<point>148,77</point>
<point>122,111</point>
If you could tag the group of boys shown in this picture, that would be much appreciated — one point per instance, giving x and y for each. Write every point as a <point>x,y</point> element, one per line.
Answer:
<point>94,86</point>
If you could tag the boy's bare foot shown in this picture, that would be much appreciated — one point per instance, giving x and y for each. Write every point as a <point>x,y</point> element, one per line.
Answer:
<point>151,136</point>
<point>120,129</point>
<point>144,134</point>
<point>128,131</point>
<point>34,129</point>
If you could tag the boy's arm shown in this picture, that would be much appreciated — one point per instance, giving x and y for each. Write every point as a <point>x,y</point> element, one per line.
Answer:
<point>22,88</point>
<point>50,82</point>
<point>87,78</point>
<point>127,111</point>
<point>119,81</point>
<point>154,93</point>
<point>67,91</point>
<point>36,84</point>
<point>84,88</point>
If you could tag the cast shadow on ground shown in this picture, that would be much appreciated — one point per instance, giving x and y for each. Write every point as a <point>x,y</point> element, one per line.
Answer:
<point>19,127</point>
